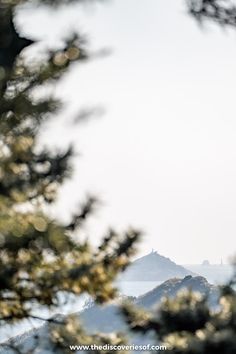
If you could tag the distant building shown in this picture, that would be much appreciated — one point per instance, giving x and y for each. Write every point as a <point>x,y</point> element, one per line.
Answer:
<point>205,262</point>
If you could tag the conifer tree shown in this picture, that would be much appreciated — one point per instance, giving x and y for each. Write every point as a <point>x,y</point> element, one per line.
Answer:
<point>40,257</point>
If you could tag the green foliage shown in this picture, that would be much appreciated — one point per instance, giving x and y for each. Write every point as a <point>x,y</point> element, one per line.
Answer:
<point>41,257</point>
<point>64,336</point>
<point>188,325</point>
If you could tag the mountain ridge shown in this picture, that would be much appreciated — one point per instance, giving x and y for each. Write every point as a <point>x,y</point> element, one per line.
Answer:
<point>154,267</point>
<point>107,319</point>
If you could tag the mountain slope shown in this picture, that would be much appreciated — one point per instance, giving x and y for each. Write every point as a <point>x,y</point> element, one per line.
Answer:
<point>171,287</point>
<point>107,318</point>
<point>154,267</point>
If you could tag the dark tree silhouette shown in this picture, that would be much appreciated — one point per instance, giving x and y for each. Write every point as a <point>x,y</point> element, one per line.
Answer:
<point>223,12</point>
<point>40,257</point>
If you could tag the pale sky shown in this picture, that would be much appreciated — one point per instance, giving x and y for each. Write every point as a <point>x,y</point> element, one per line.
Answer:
<point>163,158</point>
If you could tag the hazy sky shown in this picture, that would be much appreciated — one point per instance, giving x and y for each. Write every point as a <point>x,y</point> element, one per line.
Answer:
<point>163,158</point>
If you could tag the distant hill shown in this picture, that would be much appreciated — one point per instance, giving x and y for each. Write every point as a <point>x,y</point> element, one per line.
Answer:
<point>172,286</point>
<point>154,267</point>
<point>107,318</point>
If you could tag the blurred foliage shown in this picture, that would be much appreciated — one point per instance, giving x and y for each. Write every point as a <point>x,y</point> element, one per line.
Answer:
<point>63,337</point>
<point>40,257</point>
<point>223,12</point>
<point>188,325</point>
